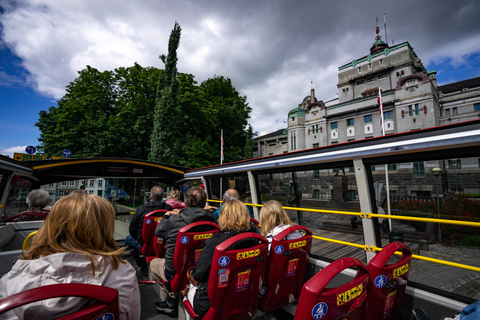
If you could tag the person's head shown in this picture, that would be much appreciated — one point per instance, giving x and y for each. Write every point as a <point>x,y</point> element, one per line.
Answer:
<point>230,194</point>
<point>38,198</point>
<point>272,215</point>
<point>234,216</point>
<point>81,223</point>
<point>195,197</point>
<point>156,194</point>
<point>173,194</point>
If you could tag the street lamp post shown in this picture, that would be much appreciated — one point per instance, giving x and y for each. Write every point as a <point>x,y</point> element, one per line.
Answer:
<point>437,171</point>
<point>455,161</point>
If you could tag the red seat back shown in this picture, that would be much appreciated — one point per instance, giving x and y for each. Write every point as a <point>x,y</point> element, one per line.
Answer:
<point>287,265</point>
<point>236,276</point>
<point>188,248</point>
<point>387,282</point>
<point>148,231</point>
<point>105,299</point>
<point>346,301</point>
<point>255,222</point>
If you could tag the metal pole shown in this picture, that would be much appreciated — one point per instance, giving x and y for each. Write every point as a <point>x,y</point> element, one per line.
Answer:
<point>438,210</point>
<point>455,170</point>
<point>134,193</point>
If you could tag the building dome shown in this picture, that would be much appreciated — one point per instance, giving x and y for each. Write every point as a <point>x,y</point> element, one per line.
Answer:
<point>378,46</point>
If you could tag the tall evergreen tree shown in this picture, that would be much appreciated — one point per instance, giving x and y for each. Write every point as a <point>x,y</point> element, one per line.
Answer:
<point>164,139</point>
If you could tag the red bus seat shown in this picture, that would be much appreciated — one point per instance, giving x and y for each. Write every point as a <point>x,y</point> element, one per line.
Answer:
<point>287,265</point>
<point>388,282</point>
<point>148,233</point>
<point>236,276</point>
<point>255,222</point>
<point>346,301</point>
<point>188,248</point>
<point>106,299</point>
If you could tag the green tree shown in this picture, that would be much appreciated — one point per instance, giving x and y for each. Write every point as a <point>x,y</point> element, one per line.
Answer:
<point>230,112</point>
<point>164,142</point>
<point>106,113</point>
<point>80,122</point>
<point>248,150</point>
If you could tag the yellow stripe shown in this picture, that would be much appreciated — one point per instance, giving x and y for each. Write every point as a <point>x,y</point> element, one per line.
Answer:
<point>45,166</point>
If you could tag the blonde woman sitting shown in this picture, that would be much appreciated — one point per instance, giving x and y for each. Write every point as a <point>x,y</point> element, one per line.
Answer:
<point>74,245</point>
<point>273,220</point>
<point>234,219</point>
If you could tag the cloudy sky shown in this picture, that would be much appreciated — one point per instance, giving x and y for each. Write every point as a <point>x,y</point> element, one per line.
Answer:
<point>271,49</point>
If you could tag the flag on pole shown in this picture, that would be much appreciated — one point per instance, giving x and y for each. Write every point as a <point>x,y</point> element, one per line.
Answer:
<point>221,146</point>
<point>380,105</point>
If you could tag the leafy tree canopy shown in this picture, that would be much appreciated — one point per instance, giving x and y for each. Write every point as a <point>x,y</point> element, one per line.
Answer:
<point>111,114</point>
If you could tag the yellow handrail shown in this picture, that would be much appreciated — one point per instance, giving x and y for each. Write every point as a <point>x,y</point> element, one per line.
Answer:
<point>26,242</point>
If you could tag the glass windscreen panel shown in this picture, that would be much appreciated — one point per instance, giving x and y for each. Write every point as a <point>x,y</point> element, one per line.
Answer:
<point>446,189</point>
<point>17,195</point>
<point>217,187</point>
<point>331,189</point>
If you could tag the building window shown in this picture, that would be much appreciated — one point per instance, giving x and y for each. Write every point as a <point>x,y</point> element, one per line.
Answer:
<point>316,145</point>
<point>99,193</point>
<point>388,115</point>
<point>61,193</point>
<point>381,76</point>
<point>369,66</point>
<point>293,119</point>
<point>92,183</point>
<point>392,166</point>
<point>72,183</point>
<point>451,165</point>
<point>350,122</point>
<point>413,109</point>
<point>447,112</point>
<point>270,154</point>
<point>100,183</point>
<point>372,168</point>
<point>476,107</point>
<point>454,111</point>
<point>359,83</point>
<point>381,63</point>
<point>64,183</point>
<point>333,125</point>
<point>316,174</point>
<point>334,142</point>
<point>316,194</point>
<point>359,69</point>
<point>351,169</point>
<point>419,169</point>
<point>350,140</point>
<point>371,79</point>
<point>368,118</point>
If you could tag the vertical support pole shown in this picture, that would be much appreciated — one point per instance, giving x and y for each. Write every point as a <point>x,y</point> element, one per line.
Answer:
<point>254,194</point>
<point>438,211</point>
<point>365,205</point>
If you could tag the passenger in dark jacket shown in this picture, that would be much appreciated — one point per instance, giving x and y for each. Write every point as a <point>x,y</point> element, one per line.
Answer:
<point>234,219</point>
<point>135,239</point>
<point>171,223</point>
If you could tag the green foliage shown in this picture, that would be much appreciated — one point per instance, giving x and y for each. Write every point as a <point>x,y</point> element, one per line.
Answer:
<point>248,150</point>
<point>142,113</point>
<point>102,114</point>
<point>471,241</point>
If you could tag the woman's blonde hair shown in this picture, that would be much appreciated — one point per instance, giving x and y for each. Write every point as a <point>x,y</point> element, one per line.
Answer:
<point>234,216</point>
<point>272,215</point>
<point>81,223</point>
<point>174,193</point>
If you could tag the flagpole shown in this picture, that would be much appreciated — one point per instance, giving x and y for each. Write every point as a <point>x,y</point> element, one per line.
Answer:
<point>386,166</point>
<point>221,162</point>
